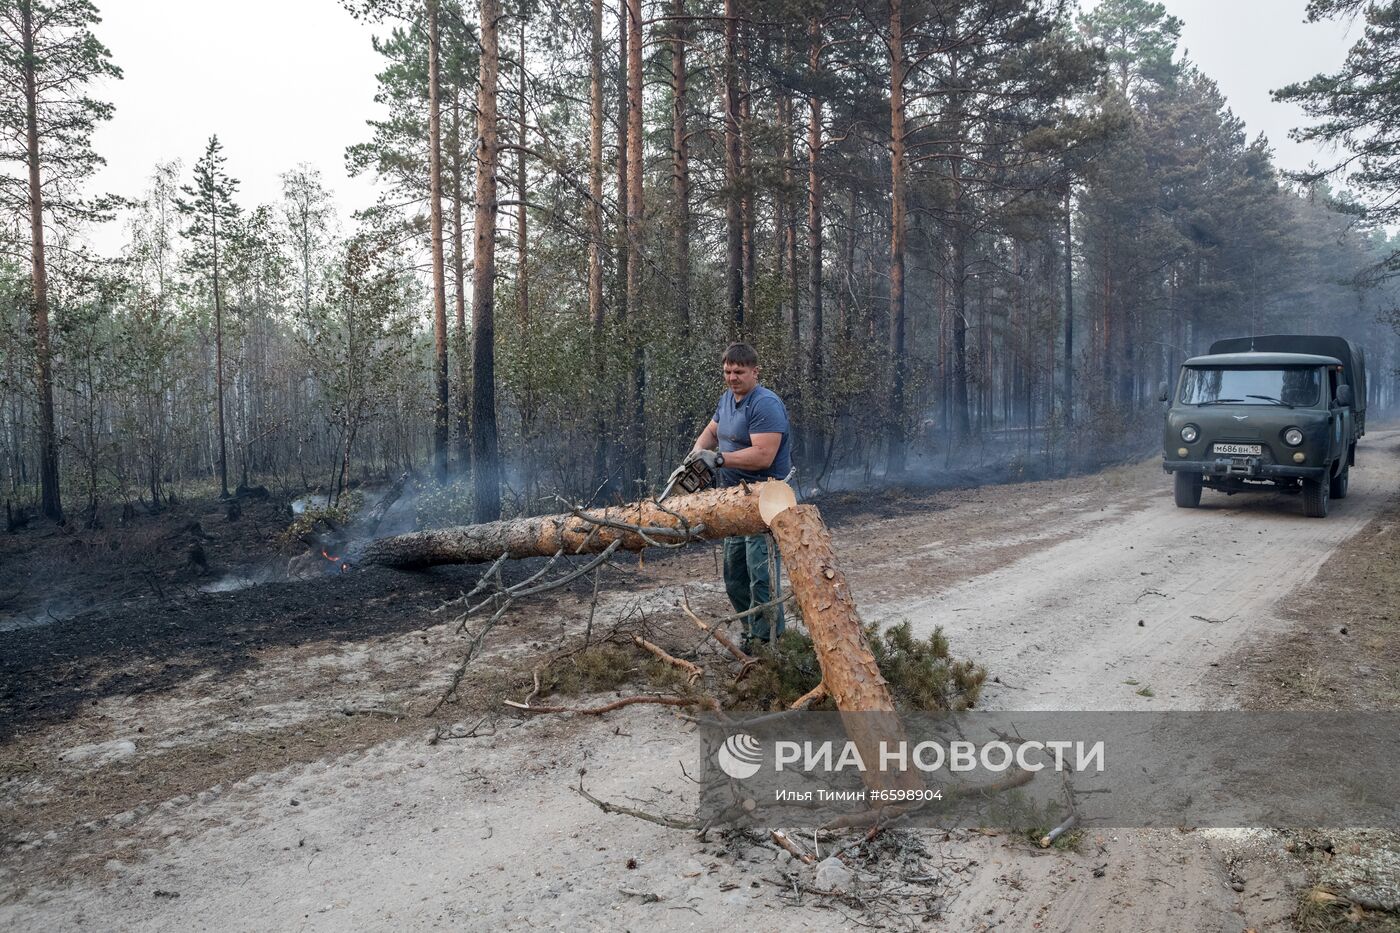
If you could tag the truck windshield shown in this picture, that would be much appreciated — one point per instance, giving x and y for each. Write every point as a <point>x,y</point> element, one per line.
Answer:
<point>1292,386</point>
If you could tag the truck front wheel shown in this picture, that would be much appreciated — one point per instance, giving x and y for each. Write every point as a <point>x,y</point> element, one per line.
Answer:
<point>1339,484</point>
<point>1316,497</point>
<point>1187,490</point>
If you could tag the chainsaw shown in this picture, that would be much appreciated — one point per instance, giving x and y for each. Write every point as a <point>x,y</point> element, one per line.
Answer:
<point>691,476</point>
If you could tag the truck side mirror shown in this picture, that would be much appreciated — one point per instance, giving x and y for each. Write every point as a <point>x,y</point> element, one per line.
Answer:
<point>1344,397</point>
<point>1162,392</point>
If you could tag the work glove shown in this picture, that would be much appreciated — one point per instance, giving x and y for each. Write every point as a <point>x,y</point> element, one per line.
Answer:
<point>711,458</point>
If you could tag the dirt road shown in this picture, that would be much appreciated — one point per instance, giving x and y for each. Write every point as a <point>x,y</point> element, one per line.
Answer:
<point>1044,583</point>
<point>1142,590</point>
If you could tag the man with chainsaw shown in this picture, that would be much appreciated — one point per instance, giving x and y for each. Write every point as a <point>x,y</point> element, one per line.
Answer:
<point>750,428</point>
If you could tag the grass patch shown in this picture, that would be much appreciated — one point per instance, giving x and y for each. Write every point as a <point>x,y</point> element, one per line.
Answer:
<point>608,666</point>
<point>1322,912</point>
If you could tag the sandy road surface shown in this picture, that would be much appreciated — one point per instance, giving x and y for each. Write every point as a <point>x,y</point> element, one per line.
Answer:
<point>1044,583</point>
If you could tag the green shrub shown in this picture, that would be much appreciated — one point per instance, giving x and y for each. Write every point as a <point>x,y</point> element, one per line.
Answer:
<point>314,521</point>
<point>920,672</point>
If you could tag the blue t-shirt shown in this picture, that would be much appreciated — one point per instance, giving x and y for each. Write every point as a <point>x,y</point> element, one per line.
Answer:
<point>760,412</point>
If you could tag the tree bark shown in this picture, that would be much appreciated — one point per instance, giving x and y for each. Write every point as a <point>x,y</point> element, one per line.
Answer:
<point>815,376</point>
<point>962,412</point>
<point>845,300</point>
<point>595,168</point>
<point>680,169</point>
<point>734,249</point>
<point>595,227</point>
<point>849,673</point>
<point>608,447</point>
<point>732,511</point>
<point>849,670</point>
<point>634,155</point>
<point>50,499</point>
<point>459,274</point>
<point>440,406</point>
<point>792,286</point>
<point>218,348</point>
<point>486,486</point>
<point>636,447</point>
<point>522,281</point>
<point>895,461</point>
<point>962,419</point>
<point>748,246</point>
<point>622,244</point>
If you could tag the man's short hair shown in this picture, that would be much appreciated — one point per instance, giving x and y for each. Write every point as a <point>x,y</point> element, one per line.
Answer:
<point>740,354</point>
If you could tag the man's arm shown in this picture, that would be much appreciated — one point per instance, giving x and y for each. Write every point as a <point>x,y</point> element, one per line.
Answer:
<point>709,438</point>
<point>758,457</point>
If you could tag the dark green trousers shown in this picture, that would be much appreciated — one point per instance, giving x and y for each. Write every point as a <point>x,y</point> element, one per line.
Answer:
<point>747,581</point>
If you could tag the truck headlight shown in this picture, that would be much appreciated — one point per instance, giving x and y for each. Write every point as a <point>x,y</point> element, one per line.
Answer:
<point>1292,437</point>
<point>1190,433</point>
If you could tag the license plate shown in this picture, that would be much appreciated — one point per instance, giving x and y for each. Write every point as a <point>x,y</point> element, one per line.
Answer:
<point>1250,449</point>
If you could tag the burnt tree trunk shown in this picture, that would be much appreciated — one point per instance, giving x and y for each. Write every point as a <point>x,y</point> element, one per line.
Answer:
<point>460,342</point>
<point>622,176</point>
<point>636,448</point>
<point>219,358</point>
<point>441,397</point>
<point>1069,308</point>
<point>50,503</point>
<point>680,169</point>
<point>733,225</point>
<point>486,487</point>
<point>595,167</point>
<point>595,231</point>
<point>527,404</point>
<point>748,245</point>
<point>898,169</point>
<point>815,375</point>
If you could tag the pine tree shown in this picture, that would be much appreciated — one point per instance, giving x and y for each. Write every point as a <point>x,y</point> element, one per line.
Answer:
<point>1359,107</point>
<point>210,211</point>
<point>48,56</point>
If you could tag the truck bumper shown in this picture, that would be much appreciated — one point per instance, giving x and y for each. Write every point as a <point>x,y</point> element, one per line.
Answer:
<point>1244,468</point>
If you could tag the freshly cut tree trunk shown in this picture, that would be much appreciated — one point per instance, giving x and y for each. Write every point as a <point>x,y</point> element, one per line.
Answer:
<point>723,513</point>
<point>849,671</point>
<point>850,675</point>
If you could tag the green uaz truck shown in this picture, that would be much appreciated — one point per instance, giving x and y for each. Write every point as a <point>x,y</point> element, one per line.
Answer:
<point>1280,412</point>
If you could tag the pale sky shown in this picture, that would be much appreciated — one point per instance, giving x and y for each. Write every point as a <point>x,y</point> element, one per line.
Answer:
<point>1251,47</point>
<point>279,81</point>
<point>288,81</point>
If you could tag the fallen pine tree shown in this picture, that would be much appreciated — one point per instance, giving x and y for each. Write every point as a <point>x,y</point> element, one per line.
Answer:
<point>708,515</point>
<point>850,675</point>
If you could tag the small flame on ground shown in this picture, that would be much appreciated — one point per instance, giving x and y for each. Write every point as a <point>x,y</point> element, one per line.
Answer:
<point>341,563</point>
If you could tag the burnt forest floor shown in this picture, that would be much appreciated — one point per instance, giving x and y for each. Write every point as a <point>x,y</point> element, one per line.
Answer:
<point>150,601</point>
<point>94,614</point>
